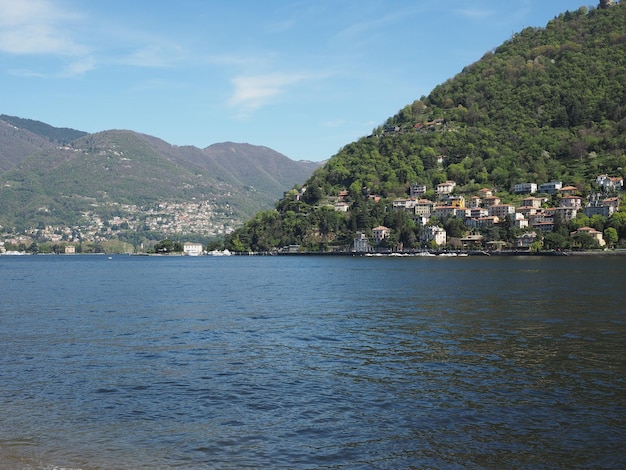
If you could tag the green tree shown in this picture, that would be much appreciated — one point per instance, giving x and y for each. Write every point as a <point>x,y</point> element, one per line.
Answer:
<point>236,245</point>
<point>584,241</point>
<point>168,246</point>
<point>312,195</point>
<point>611,236</point>
<point>555,241</point>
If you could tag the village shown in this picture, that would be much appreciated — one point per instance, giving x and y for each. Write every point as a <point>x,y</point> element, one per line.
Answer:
<point>164,219</point>
<point>533,216</point>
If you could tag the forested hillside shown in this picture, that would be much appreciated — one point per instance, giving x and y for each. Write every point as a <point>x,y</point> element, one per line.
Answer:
<point>60,186</point>
<point>547,105</point>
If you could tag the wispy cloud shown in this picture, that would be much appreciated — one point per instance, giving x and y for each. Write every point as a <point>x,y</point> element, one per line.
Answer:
<point>37,27</point>
<point>42,27</point>
<point>46,28</point>
<point>253,92</point>
<point>475,13</point>
<point>155,54</point>
<point>368,27</point>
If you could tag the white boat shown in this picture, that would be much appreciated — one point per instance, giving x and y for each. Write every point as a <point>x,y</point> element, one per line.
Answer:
<point>226,252</point>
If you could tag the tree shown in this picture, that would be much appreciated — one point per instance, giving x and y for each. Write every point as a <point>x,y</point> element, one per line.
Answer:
<point>236,245</point>
<point>618,222</point>
<point>555,241</point>
<point>312,195</point>
<point>611,236</point>
<point>584,241</point>
<point>168,246</point>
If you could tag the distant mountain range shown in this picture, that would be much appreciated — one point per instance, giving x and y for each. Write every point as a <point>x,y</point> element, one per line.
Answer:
<point>63,179</point>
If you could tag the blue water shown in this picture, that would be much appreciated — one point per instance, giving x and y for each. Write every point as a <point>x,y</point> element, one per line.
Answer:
<point>312,362</point>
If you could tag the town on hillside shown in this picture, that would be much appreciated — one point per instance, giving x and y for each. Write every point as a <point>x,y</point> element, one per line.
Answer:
<point>541,208</point>
<point>124,230</point>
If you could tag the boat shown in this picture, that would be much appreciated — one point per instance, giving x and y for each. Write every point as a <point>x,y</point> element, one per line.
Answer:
<point>225,252</point>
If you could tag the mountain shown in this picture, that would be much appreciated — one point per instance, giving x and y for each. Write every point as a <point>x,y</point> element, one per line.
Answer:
<point>68,178</point>
<point>547,105</point>
<point>59,135</point>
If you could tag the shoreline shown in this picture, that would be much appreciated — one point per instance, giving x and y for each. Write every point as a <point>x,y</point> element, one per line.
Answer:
<point>416,254</point>
<point>442,253</point>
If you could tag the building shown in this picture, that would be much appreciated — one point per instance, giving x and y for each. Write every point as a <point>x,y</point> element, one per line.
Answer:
<point>478,212</point>
<point>341,206</point>
<point>526,211</point>
<point>192,249</point>
<point>446,188</point>
<point>520,222</point>
<point>416,190</point>
<point>550,188</point>
<point>421,220</point>
<point>610,183</point>
<point>361,244</point>
<point>343,195</point>
<point>525,240</point>
<point>605,207</point>
<point>573,202</point>
<point>432,233</point>
<point>472,241</point>
<point>424,207</point>
<point>532,202</point>
<point>380,233</point>
<point>568,190</point>
<point>70,249</point>
<point>491,201</point>
<point>475,201</point>
<point>456,201</point>
<point>406,204</point>
<point>444,212</point>
<point>502,211</point>
<point>522,188</point>
<point>482,222</point>
<point>546,226</point>
<point>597,235</point>
<point>566,213</point>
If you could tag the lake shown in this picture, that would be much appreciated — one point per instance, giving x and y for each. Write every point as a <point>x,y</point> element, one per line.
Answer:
<point>312,362</point>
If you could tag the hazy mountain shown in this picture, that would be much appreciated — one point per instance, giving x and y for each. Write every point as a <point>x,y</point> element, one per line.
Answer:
<point>53,176</point>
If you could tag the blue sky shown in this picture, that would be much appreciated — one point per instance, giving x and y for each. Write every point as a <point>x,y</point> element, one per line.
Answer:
<point>301,77</point>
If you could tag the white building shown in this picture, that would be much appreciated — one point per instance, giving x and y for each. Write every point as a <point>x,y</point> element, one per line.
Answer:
<point>551,187</point>
<point>361,244</point>
<point>432,233</point>
<point>380,233</point>
<point>192,249</point>
<point>607,182</point>
<point>446,188</point>
<point>521,188</point>
<point>341,206</point>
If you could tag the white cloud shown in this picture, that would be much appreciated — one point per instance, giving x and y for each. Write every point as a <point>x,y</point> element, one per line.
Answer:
<point>155,55</point>
<point>37,27</point>
<point>253,92</point>
<point>79,67</point>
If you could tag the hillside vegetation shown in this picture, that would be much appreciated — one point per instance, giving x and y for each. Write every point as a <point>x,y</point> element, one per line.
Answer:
<point>547,105</point>
<point>74,186</point>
